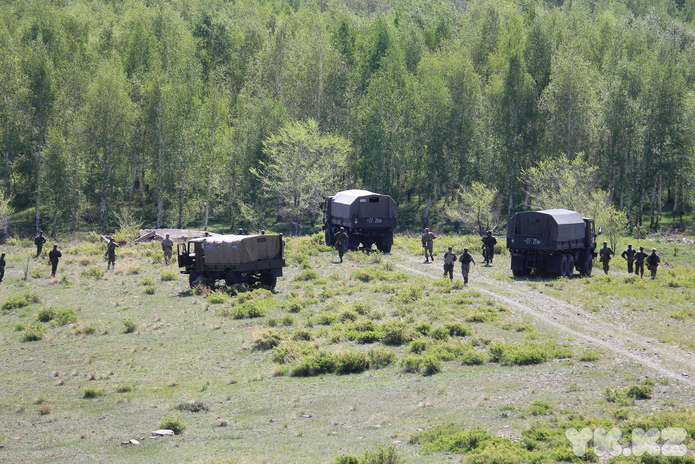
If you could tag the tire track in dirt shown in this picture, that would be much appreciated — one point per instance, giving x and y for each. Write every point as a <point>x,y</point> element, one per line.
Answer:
<point>668,360</point>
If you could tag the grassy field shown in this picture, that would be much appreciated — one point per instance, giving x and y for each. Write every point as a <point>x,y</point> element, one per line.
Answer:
<point>378,359</point>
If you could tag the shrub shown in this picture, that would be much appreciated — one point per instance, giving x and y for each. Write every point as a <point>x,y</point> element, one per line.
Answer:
<point>351,362</point>
<point>411,364</point>
<point>36,273</point>
<point>347,459</point>
<point>423,328</point>
<point>90,393</point>
<point>417,346</point>
<point>130,326</point>
<point>382,456</point>
<point>84,329</point>
<point>169,276</point>
<point>452,438</point>
<point>173,423</point>
<point>431,365</point>
<point>540,408</point>
<point>640,391</point>
<point>217,298</point>
<point>33,331</point>
<point>268,340</point>
<point>590,356</point>
<point>124,388</point>
<point>520,355</point>
<point>306,275</point>
<point>64,317</point>
<point>380,357</point>
<point>132,270</point>
<point>348,316</point>
<point>93,271</point>
<point>439,333</point>
<point>21,301</point>
<point>193,406</point>
<point>322,362</point>
<point>147,281</point>
<point>302,334</point>
<point>457,329</point>
<point>472,357</point>
<point>395,333</point>
<point>150,290</point>
<point>46,315</point>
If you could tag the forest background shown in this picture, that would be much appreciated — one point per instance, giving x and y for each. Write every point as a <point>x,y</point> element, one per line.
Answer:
<point>228,114</point>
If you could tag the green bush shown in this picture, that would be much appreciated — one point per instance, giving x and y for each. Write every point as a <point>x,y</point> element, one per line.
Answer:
<point>33,331</point>
<point>590,356</point>
<point>417,346</point>
<point>150,290</point>
<point>351,362</point>
<point>411,364</point>
<point>90,393</point>
<point>380,357</point>
<point>423,328</point>
<point>347,459</point>
<point>439,333</point>
<point>193,406</point>
<point>382,456</point>
<point>395,333</point>
<point>322,362</point>
<point>519,355</point>
<point>451,438</point>
<point>268,340</point>
<point>46,315</point>
<point>133,270</point>
<point>217,298</point>
<point>130,326</point>
<point>431,365</point>
<point>302,335</point>
<point>124,388</point>
<point>173,423</point>
<point>147,281</point>
<point>64,317</point>
<point>640,392</point>
<point>457,329</point>
<point>169,276</point>
<point>540,408</point>
<point>306,275</point>
<point>472,357</point>
<point>21,301</point>
<point>93,271</point>
<point>370,336</point>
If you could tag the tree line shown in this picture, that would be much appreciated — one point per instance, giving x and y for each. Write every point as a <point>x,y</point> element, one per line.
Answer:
<point>246,112</point>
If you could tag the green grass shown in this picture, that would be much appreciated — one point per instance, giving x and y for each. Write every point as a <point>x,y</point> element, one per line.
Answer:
<point>341,363</point>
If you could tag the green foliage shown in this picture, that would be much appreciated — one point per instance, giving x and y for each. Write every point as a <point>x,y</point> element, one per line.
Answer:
<point>46,315</point>
<point>380,357</point>
<point>32,331</point>
<point>20,301</point>
<point>351,362</point>
<point>524,354</point>
<point>64,317</point>
<point>93,271</point>
<point>395,333</point>
<point>129,326</point>
<point>322,362</point>
<point>90,393</point>
<point>173,423</point>
<point>169,276</point>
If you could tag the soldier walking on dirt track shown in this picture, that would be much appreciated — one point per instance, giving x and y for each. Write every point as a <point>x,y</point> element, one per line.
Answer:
<point>39,241</point>
<point>640,257</point>
<point>428,243</point>
<point>449,260</point>
<point>629,256</point>
<point>2,266</point>
<point>653,261</point>
<point>54,257</point>
<point>111,254</point>
<point>466,259</point>
<point>168,249</point>
<point>605,254</point>
<point>341,241</point>
<point>489,243</point>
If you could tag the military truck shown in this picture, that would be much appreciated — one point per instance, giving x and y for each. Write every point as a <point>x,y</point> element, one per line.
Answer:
<point>236,259</point>
<point>368,218</point>
<point>554,241</point>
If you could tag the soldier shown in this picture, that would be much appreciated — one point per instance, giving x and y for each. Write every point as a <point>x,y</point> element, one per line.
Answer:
<point>605,254</point>
<point>167,248</point>
<point>39,241</point>
<point>449,260</point>
<point>341,241</point>
<point>489,243</point>
<point>53,257</point>
<point>640,256</point>
<point>629,256</point>
<point>653,261</point>
<point>2,266</point>
<point>111,254</point>
<point>427,243</point>
<point>466,259</point>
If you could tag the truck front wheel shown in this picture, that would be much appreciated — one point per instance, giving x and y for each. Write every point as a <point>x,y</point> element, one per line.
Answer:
<point>193,279</point>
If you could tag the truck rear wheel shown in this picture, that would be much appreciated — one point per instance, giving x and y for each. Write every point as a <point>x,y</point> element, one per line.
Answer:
<point>570,268</point>
<point>588,265</point>
<point>564,265</point>
<point>521,272</point>
<point>269,280</point>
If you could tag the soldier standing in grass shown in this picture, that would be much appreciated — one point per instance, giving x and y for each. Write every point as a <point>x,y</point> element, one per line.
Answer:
<point>489,243</point>
<point>653,261</point>
<point>605,254</point>
<point>111,254</point>
<point>167,248</point>
<point>54,257</point>
<point>466,259</point>
<point>39,241</point>
<point>2,266</point>
<point>640,256</point>
<point>428,243</point>
<point>629,255</point>
<point>341,240</point>
<point>449,260</point>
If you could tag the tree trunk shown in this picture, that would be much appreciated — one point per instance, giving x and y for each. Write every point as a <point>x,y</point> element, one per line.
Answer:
<point>37,205</point>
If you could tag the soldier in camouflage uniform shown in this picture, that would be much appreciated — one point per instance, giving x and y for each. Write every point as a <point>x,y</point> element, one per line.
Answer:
<point>640,257</point>
<point>428,244</point>
<point>168,249</point>
<point>653,261</point>
<point>449,260</point>
<point>489,243</point>
<point>111,254</point>
<point>2,266</point>
<point>466,259</point>
<point>341,241</point>
<point>39,241</point>
<point>54,257</point>
<point>605,254</point>
<point>629,256</point>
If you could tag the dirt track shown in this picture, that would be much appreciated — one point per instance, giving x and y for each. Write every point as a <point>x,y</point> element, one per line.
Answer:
<point>664,359</point>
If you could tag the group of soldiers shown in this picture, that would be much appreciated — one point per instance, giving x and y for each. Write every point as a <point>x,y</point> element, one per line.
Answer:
<point>54,255</point>
<point>450,258</point>
<point>635,259</point>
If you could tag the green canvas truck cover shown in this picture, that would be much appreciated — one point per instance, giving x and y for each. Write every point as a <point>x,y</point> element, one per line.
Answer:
<point>239,249</point>
<point>355,203</point>
<point>558,225</point>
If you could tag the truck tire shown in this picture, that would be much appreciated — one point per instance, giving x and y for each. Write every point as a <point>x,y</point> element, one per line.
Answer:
<point>521,272</point>
<point>329,236</point>
<point>269,280</point>
<point>588,265</point>
<point>570,268</point>
<point>564,266</point>
<point>385,248</point>
<point>193,279</point>
<point>230,278</point>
